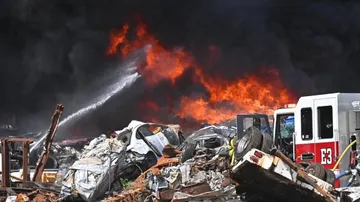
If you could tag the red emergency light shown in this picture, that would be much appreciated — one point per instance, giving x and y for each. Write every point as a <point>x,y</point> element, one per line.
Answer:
<point>290,106</point>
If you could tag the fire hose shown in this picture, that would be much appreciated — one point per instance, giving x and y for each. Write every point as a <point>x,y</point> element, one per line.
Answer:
<point>343,154</point>
<point>353,172</point>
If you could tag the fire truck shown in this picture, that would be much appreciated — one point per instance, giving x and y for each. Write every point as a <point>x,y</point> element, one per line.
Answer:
<point>319,129</point>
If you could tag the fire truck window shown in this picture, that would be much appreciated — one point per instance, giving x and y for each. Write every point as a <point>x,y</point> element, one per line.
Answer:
<point>325,122</point>
<point>285,126</point>
<point>248,122</point>
<point>306,124</point>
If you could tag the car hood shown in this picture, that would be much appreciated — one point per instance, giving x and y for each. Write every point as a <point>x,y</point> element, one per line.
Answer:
<point>212,132</point>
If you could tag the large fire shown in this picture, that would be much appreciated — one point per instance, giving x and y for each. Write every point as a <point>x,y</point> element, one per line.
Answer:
<point>160,63</point>
<point>259,92</point>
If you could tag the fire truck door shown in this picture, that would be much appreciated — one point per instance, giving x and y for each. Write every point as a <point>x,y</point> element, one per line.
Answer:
<point>325,141</point>
<point>304,136</point>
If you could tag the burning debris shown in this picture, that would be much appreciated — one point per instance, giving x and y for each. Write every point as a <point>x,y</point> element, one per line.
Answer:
<point>219,162</point>
<point>241,160</point>
<point>152,162</point>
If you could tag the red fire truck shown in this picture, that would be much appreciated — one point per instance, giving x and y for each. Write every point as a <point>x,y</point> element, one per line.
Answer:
<point>319,129</point>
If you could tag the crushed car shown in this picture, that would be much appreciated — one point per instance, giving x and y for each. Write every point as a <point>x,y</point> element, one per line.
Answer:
<point>144,145</point>
<point>212,137</point>
<point>122,155</point>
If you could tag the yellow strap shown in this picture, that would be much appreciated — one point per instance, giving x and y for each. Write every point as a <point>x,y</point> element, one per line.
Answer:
<point>231,148</point>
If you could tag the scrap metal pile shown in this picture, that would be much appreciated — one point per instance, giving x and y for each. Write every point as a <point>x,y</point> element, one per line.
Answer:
<point>154,162</point>
<point>105,171</point>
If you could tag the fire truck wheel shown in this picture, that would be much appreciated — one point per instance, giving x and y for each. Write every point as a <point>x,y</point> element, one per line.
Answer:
<point>330,176</point>
<point>267,143</point>
<point>251,139</point>
<point>316,170</point>
<point>188,152</point>
<point>304,164</point>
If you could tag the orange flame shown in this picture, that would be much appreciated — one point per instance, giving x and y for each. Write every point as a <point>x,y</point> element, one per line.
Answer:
<point>160,63</point>
<point>250,94</point>
<point>262,92</point>
<point>117,39</point>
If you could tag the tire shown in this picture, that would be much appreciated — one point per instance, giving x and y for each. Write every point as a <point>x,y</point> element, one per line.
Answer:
<point>188,152</point>
<point>251,139</point>
<point>267,143</point>
<point>317,170</point>
<point>330,176</point>
<point>51,163</point>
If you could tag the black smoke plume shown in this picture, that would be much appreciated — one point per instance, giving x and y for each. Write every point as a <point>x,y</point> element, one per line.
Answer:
<point>52,50</point>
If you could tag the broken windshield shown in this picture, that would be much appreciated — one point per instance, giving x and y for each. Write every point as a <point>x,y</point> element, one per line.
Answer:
<point>286,126</point>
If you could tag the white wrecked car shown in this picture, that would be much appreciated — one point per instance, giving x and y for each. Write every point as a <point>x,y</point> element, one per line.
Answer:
<point>106,160</point>
<point>145,143</point>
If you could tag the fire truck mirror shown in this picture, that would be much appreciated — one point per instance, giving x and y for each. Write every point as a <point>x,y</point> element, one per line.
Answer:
<point>353,138</point>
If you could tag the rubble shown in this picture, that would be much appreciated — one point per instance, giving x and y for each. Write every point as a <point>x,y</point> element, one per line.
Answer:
<point>151,162</point>
<point>202,177</point>
<point>67,157</point>
<point>95,171</point>
<point>37,196</point>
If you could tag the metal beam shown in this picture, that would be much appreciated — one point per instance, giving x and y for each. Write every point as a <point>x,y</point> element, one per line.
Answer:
<point>40,166</point>
<point>5,161</point>
<point>26,174</point>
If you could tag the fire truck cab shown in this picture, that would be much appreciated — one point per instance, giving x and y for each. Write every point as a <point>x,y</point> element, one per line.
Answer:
<point>318,128</point>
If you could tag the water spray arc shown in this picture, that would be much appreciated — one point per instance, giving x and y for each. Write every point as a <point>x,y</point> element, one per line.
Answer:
<point>126,80</point>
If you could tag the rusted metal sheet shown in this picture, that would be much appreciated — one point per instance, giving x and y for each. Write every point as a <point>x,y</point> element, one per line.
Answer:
<point>40,166</point>
<point>170,152</point>
<point>196,189</point>
<point>26,174</point>
<point>5,151</point>
<point>5,175</point>
<point>166,195</point>
<point>22,198</point>
<point>37,196</point>
<point>168,159</point>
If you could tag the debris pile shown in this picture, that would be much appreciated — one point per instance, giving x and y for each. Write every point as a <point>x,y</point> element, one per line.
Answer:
<point>204,177</point>
<point>37,196</point>
<point>95,171</point>
<point>67,156</point>
<point>153,162</point>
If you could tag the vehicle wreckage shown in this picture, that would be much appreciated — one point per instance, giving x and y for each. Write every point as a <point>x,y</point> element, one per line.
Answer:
<point>311,153</point>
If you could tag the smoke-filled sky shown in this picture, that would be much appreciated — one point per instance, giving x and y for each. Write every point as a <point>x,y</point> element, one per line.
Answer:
<point>51,50</point>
